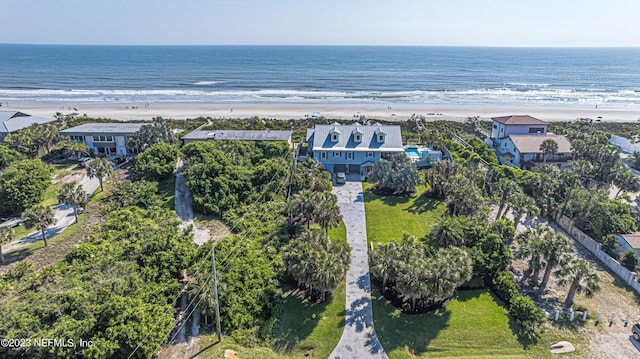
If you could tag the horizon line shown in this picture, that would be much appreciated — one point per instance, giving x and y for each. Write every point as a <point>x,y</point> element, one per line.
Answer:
<point>320,45</point>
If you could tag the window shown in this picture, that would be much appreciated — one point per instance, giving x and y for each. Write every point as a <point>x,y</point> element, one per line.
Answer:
<point>96,138</point>
<point>505,144</point>
<point>337,154</point>
<point>334,138</point>
<point>536,129</point>
<point>109,138</point>
<point>349,155</point>
<point>357,138</point>
<point>495,126</point>
<point>380,138</point>
<point>502,129</point>
<point>323,155</point>
<point>369,154</point>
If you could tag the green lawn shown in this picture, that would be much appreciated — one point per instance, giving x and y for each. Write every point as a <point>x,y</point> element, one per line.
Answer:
<point>389,216</point>
<point>295,333</point>
<point>472,325</point>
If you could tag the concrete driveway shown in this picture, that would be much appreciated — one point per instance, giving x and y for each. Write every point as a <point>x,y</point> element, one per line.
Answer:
<point>63,214</point>
<point>359,338</point>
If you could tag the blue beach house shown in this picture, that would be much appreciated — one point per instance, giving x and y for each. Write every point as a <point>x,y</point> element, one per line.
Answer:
<point>352,148</point>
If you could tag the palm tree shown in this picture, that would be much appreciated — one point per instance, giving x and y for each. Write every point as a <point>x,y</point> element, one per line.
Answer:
<point>40,217</point>
<point>549,148</point>
<point>583,277</point>
<point>77,148</point>
<point>530,248</point>
<point>625,181</point>
<point>411,281</point>
<point>556,251</point>
<point>327,212</point>
<point>72,195</point>
<point>383,262</point>
<point>305,204</point>
<point>449,231</point>
<point>503,190</point>
<point>6,236</point>
<point>100,168</point>
<point>522,204</point>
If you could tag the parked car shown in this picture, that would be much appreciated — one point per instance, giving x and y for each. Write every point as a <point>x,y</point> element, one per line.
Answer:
<point>341,178</point>
<point>636,331</point>
<point>84,161</point>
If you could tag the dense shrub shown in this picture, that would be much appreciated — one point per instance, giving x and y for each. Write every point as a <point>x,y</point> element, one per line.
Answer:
<point>505,286</point>
<point>22,185</point>
<point>527,315</point>
<point>157,161</point>
<point>630,260</point>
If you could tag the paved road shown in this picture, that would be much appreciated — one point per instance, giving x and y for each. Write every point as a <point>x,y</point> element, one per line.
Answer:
<point>184,209</point>
<point>359,338</point>
<point>63,214</point>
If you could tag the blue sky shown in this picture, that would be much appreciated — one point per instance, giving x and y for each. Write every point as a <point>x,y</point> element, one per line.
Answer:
<point>323,22</point>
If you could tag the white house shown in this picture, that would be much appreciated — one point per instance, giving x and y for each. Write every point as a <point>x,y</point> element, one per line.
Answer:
<point>109,139</point>
<point>517,141</point>
<point>12,121</point>
<point>352,148</point>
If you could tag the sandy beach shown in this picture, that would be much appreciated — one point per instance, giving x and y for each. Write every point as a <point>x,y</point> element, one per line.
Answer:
<point>296,111</point>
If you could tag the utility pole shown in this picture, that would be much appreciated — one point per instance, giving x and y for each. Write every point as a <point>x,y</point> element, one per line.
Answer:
<point>215,293</point>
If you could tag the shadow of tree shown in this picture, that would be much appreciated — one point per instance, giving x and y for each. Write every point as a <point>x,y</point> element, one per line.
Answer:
<point>398,330</point>
<point>423,204</point>
<point>388,200</point>
<point>297,321</point>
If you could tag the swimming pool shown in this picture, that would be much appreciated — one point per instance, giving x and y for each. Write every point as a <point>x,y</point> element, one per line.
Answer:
<point>412,152</point>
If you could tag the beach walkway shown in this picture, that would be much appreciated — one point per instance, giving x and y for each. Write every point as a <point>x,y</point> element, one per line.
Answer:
<point>359,338</point>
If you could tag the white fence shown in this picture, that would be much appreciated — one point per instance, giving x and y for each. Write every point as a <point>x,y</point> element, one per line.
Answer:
<point>626,275</point>
<point>624,144</point>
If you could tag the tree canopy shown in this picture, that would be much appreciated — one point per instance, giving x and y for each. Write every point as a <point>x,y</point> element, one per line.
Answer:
<point>22,185</point>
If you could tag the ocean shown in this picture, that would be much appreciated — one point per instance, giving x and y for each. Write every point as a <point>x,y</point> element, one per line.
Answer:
<point>330,75</point>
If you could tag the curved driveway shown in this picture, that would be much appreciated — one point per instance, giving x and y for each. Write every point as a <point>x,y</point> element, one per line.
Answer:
<point>359,338</point>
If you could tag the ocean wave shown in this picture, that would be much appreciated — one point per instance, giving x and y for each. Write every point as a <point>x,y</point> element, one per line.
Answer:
<point>501,96</point>
<point>205,83</point>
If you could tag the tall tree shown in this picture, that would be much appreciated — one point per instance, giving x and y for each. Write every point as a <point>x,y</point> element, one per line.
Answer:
<point>522,205</point>
<point>77,148</point>
<point>582,277</point>
<point>383,262</point>
<point>72,194</point>
<point>530,245</point>
<point>556,251</point>
<point>449,231</point>
<point>625,180</point>
<point>549,148</point>
<point>6,236</point>
<point>39,217</point>
<point>503,189</point>
<point>100,168</point>
<point>22,185</point>
<point>327,212</point>
<point>397,175</point>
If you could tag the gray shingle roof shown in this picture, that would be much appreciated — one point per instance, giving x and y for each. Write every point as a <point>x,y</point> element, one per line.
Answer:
<point>12,121</point>
<point>322,140</point>
<point>107,128</point>
<point>238,135</point>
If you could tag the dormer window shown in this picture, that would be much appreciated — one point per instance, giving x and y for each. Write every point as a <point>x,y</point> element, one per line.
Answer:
<point>334,133</point>
<point>380,133</point>
<point>357,133</point>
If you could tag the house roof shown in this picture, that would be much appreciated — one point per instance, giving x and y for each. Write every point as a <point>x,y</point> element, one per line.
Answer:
<point>321,140</point>
<point>633,239</point>
<point>238,135</point>
<point>12,121</point>
<point>531,143</point>
<point>106,128</point>
<point>518,120</point>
